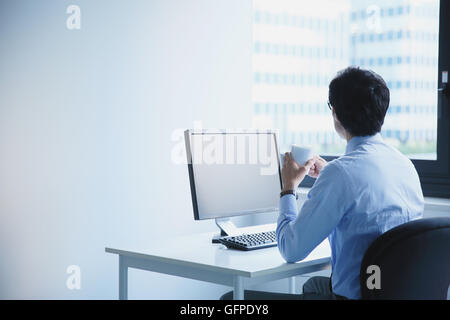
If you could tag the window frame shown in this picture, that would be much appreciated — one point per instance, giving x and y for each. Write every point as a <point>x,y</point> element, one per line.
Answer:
<point>434,174</point>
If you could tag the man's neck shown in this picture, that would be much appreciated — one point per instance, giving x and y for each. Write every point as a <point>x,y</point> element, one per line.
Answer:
<point>348,137</point>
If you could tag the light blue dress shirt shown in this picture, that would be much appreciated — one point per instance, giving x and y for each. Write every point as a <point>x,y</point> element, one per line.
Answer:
<point>356,198</point>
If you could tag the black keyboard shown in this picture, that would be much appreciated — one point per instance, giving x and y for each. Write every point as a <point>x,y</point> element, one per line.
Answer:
<point>250,241</point>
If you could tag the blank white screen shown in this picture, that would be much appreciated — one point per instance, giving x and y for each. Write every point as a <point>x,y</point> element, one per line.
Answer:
<point>235,174</point>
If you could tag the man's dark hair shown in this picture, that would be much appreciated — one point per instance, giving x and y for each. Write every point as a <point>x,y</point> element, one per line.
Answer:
<point>360,99</point>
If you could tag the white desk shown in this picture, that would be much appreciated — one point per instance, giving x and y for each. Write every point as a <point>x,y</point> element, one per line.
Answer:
<point>195,257</point>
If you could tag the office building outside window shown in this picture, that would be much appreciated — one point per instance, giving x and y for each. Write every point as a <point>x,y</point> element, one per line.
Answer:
<point>300,45</point>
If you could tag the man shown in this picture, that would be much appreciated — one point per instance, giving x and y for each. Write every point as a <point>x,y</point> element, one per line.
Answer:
<point>357,197</point>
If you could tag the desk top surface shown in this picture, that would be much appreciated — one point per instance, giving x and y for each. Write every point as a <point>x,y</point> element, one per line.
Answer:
<point>198,251</point>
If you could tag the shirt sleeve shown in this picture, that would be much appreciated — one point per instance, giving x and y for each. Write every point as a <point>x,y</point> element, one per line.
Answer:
<point>298,234</point>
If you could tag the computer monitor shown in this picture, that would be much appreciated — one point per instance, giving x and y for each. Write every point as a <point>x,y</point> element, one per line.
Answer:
<point>233,173</point>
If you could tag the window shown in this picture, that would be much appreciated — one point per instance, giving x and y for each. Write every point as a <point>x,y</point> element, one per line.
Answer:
<point>403,41</point>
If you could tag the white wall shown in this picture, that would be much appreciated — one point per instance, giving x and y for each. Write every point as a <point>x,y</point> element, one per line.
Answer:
<point>86,119</point>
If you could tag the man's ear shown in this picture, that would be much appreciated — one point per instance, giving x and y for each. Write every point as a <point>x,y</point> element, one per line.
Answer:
<point>338,126</point>
<point>334,114</point>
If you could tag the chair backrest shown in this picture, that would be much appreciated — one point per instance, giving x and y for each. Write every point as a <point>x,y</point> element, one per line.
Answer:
<point>413,261</point>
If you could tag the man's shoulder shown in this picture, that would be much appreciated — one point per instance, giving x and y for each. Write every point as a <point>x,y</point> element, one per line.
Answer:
<point>360,166</point>
<point>334,178</point>
<point>378,155</point>
<point>334,169</point>
<point>341,170</point>
<point>339,165</point>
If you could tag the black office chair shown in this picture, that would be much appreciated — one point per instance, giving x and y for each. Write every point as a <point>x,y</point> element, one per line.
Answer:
<point>414,261</point>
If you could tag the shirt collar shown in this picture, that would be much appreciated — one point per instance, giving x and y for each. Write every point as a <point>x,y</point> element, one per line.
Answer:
<point>357,141</point>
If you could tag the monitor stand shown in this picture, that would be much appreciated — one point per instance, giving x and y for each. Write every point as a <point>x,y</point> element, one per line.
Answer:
<point>227,228</point>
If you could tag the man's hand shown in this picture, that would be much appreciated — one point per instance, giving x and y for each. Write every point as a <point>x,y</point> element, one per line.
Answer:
<point>319,163</point>
<point>293,174</point>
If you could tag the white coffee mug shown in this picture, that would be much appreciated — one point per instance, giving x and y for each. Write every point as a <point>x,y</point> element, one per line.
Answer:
<point>301,154</point>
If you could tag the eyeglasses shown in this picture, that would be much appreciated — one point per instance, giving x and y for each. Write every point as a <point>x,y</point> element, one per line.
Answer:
<point>329,106</point>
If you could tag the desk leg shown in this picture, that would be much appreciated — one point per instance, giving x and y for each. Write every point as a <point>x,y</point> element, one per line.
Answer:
<point>238,293</point>
<point>291,285</point>
<point>123,279</point>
